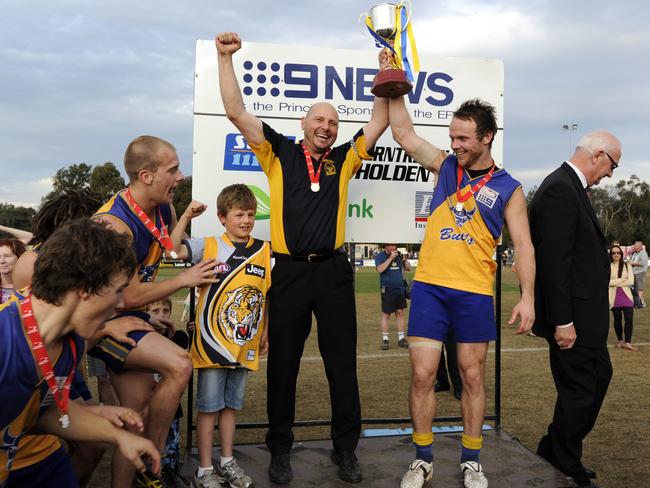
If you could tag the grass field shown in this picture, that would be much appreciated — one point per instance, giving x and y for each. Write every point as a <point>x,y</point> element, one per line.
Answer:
<point>614,448</point>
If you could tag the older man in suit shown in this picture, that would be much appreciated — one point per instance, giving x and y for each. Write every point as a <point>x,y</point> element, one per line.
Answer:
<point>571,297</point>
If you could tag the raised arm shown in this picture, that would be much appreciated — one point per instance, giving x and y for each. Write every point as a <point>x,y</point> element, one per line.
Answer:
<point>250,126</point>
<point>21,235</point>
<point>378,122</point>
<point>194,209</point>
<point>517,220</point>
<point>422,151</point>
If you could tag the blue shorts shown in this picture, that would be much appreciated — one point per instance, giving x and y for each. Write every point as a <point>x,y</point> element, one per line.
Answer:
<point>113,352</point>
<point>436,309</point>
<point>221,387</point>
<point>54,470</point>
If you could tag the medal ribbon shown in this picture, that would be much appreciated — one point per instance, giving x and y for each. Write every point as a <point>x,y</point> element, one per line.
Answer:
<point>313,177</point>
<point>161,235</point>
<point>472,189</point>
<point>61,395</point>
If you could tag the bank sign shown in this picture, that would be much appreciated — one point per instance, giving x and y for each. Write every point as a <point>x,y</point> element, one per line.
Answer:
<point>279,83</point>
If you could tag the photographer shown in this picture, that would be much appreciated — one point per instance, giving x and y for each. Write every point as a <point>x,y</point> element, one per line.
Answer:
<point>390,265</point>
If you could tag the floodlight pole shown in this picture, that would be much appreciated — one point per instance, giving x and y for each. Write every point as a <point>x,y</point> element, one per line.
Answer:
<point>572,127</point>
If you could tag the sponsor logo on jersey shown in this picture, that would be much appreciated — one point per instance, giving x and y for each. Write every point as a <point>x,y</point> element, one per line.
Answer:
<point>487,196</point>
<point>254,270</point>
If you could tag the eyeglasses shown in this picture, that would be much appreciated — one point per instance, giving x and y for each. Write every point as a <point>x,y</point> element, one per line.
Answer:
<point>612,161</point>
<point>615,253</point>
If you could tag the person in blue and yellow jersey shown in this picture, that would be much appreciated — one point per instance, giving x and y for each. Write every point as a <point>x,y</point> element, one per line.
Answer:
<point>308,181</point>
<point>453,287</point>
<point>230,332</point>
<point>144,212</point>
<point>76,288</point>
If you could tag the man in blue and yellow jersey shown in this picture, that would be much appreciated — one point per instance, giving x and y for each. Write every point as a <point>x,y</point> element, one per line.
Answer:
<point>76,287</point>
<point>145,213</point>
<point>309,188</point>
<point>454,280</point>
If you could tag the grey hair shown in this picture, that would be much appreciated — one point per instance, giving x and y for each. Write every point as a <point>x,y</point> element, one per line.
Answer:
<point>597,141</point>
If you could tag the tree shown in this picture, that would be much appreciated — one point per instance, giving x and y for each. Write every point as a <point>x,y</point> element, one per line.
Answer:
<point>73,178</point>
<point>183,197</point>
<point>16,217</point>
<point>105,180</point>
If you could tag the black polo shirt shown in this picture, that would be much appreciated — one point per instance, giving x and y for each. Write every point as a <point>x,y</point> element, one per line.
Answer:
<point>303,221</point>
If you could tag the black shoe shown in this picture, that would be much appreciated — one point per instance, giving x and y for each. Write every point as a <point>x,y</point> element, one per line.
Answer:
<point>280,469</point>
<point>384,344</point>
<point>349,469</point>
<point>458,393</point>
<point>440,387</point>
<point>591,474</point>
<point>403,343</point>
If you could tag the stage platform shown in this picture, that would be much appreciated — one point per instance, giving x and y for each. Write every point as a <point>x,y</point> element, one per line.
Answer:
<point>384,459</point>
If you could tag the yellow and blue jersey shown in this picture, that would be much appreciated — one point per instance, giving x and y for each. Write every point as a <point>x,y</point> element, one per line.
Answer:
<point>459,245</point>
<point>25,394</point>
<point>230,313</point>
<point>147,249</point>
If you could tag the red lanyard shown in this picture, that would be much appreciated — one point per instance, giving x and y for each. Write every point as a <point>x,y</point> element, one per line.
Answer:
<point>161,235</point>
<point>61,395</point>
<point>314,177</point>
<point>472,189</point>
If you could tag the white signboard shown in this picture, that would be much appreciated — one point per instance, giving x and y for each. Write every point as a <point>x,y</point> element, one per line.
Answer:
<point>389,196</point>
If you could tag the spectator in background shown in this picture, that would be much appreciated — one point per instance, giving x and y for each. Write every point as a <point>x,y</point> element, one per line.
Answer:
<point>10,251</point>
<point>639,262</point>
<point>620,297</point>
<point>390,265</point>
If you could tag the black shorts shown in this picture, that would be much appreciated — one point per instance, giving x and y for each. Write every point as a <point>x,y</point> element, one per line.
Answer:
<point>392,301</point>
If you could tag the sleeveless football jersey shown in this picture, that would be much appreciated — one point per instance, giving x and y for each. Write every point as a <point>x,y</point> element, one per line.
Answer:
<point>459,245</point>
<point>147,249</point>
<point>24,394</point>
<point>230,313</point>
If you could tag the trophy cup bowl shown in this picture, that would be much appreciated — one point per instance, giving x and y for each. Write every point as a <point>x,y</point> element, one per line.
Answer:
<point>390,82</point>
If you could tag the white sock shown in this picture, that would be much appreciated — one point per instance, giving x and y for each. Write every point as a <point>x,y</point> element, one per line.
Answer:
<point>384,336</point>
<point>400,336</point>
<point>225,460</point>
<point>201,471</point>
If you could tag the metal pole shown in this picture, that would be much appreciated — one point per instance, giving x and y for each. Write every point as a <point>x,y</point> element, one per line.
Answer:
<point>190,385</point>
<point>497,345</point>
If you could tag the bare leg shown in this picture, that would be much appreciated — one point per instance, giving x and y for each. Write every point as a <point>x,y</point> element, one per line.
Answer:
<point>154,353</point>
<point>401,322</point>
<point>471,362</point>
<point>384,322</point>
<point>227,425</point>
<point>424,363</point>
<point>204,435</point>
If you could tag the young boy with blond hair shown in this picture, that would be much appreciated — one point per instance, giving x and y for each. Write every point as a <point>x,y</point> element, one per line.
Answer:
<point>230,332</point>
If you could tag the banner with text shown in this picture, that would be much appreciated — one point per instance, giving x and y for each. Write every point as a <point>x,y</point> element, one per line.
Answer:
<point>389,197</point>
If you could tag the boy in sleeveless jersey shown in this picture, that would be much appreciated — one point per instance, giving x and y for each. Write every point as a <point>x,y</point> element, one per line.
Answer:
<point>230,332</point>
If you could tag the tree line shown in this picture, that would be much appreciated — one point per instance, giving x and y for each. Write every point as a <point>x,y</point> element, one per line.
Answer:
<point>102,179</point>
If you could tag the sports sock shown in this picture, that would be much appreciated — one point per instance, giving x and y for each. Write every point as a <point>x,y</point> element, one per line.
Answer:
<point>423,442</point>
<point>201,471</point>
<point>471,448</point>
<point>384,336</point>
<point>225,460</point>
<point>400,336</point>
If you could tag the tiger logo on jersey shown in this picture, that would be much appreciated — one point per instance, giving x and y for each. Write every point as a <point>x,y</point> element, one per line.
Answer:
<point>241,314</point>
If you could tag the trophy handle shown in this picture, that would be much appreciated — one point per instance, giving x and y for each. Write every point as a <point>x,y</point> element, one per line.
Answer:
<point>362,22</point>
<point>409,9</point>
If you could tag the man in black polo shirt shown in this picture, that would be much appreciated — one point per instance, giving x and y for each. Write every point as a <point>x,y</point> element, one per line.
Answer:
<point>309,186</point>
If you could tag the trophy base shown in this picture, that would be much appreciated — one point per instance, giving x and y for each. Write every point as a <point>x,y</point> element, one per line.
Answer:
<point>390,83</point>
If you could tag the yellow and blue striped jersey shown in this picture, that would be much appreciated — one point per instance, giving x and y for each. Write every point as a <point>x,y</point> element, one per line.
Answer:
<point>459,245</point>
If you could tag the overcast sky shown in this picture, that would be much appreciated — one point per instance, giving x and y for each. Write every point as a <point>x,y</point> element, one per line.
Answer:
<point>79,80</point>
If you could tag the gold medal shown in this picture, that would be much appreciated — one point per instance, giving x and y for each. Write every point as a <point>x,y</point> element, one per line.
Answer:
<point>64,420</point>
<point>315,187</point>
<point>173,254</point>
<point>459,207</point>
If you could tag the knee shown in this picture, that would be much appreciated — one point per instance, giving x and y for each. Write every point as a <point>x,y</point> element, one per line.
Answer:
<point>179,367</point>
<point>472,380</point>
<point>422,379</point>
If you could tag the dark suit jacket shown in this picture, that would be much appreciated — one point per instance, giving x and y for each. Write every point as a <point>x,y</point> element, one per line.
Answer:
<point>572,261</point>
